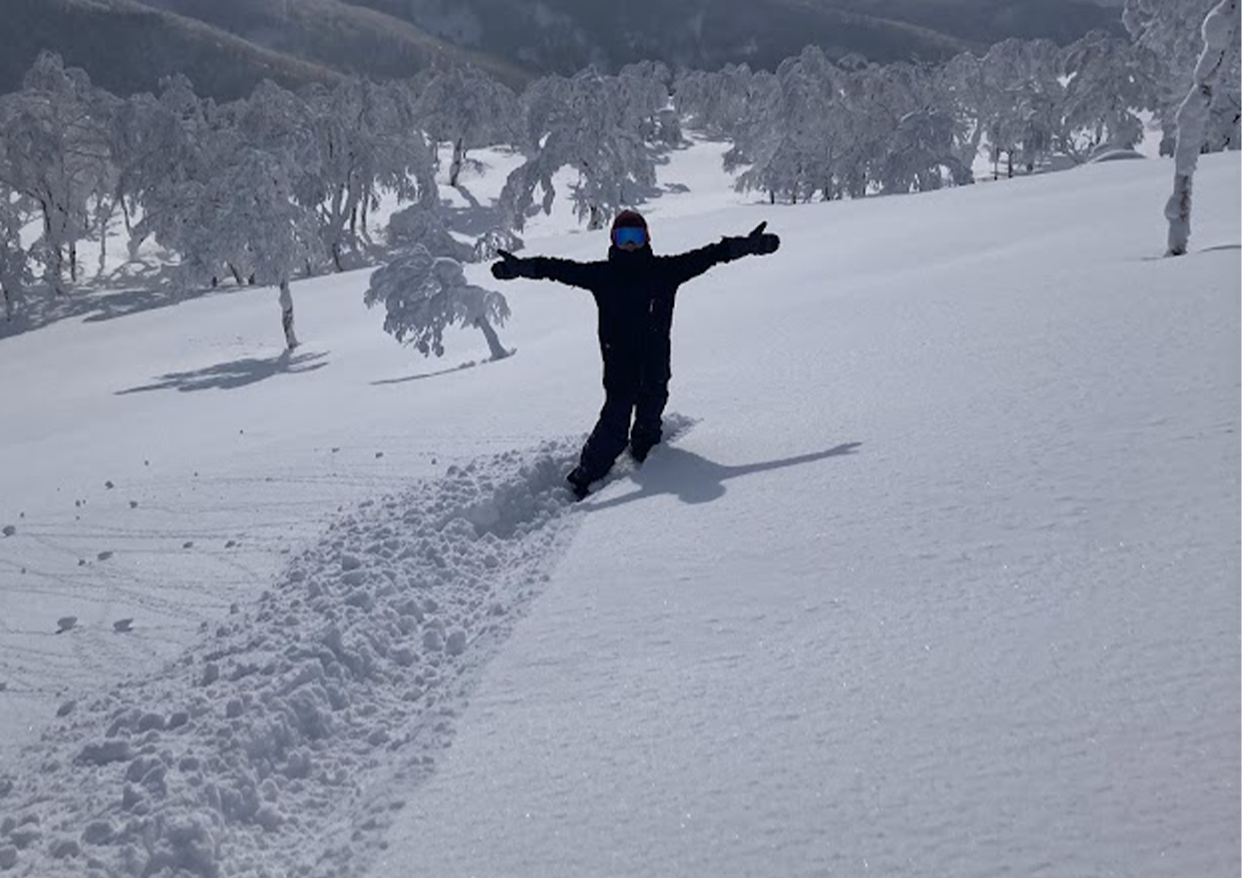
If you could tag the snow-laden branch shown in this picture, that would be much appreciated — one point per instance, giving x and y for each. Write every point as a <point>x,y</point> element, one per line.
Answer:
<point>423,295</point>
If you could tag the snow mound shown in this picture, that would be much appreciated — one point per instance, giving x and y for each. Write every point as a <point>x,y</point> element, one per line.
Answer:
<point>1116,155</point>
<point>273,748</point>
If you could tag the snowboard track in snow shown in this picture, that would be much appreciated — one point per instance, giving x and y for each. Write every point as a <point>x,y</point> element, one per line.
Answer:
<point>281,744</point>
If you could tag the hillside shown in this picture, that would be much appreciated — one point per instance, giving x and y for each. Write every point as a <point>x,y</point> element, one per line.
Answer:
<point>937,575</point>
<point>338,34</point>
<point>126,46</point>
<point>564,35</point>
<point>984,22</point>
<point>226,46</point>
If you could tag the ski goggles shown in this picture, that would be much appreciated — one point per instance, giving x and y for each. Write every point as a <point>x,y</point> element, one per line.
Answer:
<point>629,235</point>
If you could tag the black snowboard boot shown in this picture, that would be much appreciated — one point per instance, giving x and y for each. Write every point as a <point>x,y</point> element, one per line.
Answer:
<point>578,483</point>
<point>643,438</point>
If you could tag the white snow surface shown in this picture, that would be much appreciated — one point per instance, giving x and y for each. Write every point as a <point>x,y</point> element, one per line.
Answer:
<point>937,575</point>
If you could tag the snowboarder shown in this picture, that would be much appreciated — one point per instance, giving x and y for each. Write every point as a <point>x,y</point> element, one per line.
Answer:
<point>634,290</point>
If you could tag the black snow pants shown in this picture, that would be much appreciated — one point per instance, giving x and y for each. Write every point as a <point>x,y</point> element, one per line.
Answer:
<point>643,402</point>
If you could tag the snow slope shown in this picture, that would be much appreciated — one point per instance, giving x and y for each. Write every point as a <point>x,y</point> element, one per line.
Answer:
<point>939,575</point>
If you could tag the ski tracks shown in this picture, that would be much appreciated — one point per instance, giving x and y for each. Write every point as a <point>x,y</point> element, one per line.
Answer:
<point>282,744</point>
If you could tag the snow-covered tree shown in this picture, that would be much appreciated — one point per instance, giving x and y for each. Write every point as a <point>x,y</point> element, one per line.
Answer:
<point>55,154</point>
<point>1220,36</point>
<point>491,242</point>
<point>907,136</point>
<point>15,274</point>
<point>138,130</point>
<point>921,153</point>
<point>466,108</point>
<point>791,142</point>
<point>1108,82</point>
<point>422,225</point>
<point>424,295</point>
<point>402,160</point>
<point>180,143</point>
<point>140,135</point>
<point>315,142</point>
<point>344,144</point>
<point>720,102</point>
<point>645,90</point>
<point>1028,99</point>
<point>588,124</point>
<point>370,139</point>
<point>846,129</point>
<point>965,95</point>
<point>246,218</point>
<point>1024,120</point>
<point>1169,30</point>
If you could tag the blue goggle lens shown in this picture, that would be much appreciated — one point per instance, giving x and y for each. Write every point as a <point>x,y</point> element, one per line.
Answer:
<point>629,235</point>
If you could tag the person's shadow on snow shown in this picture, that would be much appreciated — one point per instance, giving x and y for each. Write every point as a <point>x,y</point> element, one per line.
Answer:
<point>234,374</point>
<point>695,479</point>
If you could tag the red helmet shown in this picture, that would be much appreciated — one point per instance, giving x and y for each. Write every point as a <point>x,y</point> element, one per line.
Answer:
<point>629,219</point>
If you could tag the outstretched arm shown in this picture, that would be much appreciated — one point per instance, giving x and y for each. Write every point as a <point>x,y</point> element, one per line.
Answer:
<point>695,262</point>
<point>566,271</point>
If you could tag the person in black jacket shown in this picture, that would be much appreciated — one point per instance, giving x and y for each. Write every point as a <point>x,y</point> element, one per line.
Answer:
<point>635,291</point>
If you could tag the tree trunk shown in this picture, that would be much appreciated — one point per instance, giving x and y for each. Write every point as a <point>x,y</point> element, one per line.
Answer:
<point>459,160</point>
<point>9,304</point>
<point>344,202</point>
<point>493,340</point>
<point>58,259</point>
<point>53,250</point>
<point>134,244</point>
<point>971,150</point>
<point>286,314</point>
<point>1220,30</point>
<point>58,271</point>
<point>129,227</point>
<point>105,214</point>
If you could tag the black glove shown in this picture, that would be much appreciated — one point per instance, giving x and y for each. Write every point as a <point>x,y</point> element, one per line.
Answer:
<point>762,243</point>
<point>755,243</point>
<point>508,267</point>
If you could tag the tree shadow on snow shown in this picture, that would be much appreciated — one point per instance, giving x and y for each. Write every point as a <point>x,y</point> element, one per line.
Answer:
<point>234,374</point>
<point>105,299</point>
<point>695,479</point>
<point>422,376</point>
<point>1164,257</point>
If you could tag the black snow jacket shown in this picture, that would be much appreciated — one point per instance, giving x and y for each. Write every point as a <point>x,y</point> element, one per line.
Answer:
<point>635,292</point>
